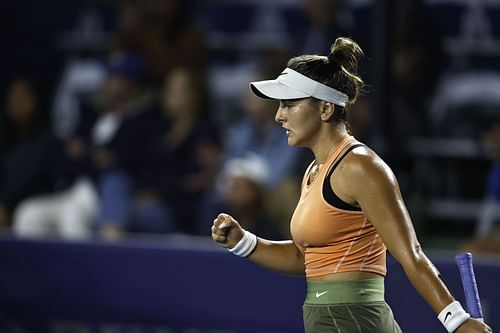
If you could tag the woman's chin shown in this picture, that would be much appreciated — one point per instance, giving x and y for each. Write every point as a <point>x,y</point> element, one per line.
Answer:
<point>292,142</point>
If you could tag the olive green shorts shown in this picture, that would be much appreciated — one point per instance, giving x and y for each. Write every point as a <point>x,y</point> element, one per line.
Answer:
<point>348,307</point>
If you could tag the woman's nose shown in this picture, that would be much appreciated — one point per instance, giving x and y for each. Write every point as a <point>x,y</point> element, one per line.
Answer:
<point>279,115</point>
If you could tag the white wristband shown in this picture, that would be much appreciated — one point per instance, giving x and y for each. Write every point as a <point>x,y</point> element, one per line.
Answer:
<point>246,245</point>
<point>452,316</point>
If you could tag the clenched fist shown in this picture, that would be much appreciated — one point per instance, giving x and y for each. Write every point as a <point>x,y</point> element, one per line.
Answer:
<point>226,231</point>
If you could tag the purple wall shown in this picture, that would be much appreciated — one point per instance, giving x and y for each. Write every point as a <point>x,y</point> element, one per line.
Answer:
<point>179,286</point>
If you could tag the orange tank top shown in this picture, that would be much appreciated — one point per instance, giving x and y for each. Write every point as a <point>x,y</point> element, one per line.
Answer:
<point>334,239</point>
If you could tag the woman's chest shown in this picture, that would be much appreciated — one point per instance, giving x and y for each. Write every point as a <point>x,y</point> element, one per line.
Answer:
<point>316,223</point>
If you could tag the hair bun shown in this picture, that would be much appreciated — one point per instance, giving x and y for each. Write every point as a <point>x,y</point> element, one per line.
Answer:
<point>346,53</point>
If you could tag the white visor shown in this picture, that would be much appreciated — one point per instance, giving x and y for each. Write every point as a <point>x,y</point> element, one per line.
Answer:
<point>291,84</point>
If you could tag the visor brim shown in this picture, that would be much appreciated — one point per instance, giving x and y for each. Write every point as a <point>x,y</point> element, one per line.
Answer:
<point>272,89</point>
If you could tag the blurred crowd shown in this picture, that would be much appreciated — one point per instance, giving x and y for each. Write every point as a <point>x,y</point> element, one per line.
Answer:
<point>135,116</point>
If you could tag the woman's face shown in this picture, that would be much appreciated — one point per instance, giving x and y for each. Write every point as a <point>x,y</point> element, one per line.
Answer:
<point>180,94</point>
<point>21,102</point>
<point>301,120</point>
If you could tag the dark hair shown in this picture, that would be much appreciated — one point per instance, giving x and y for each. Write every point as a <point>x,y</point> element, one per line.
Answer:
<point>338,70</point>
<point>9,133</point>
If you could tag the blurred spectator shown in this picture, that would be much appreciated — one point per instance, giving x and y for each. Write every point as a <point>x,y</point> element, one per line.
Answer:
<point>487,236</point>
<point>182,157</point>
<point>108,138</point>
<point>193,143</point>
<point>492,138</point>
<point>242,185</point>
<point>415,45</point>
<point>26,148</point>
<point>80,80</point>
<point>163,32</point>
<point>184,163</point>
<point>83,71</point>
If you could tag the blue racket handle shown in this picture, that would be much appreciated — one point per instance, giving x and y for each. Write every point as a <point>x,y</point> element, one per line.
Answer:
<point>464,262</point>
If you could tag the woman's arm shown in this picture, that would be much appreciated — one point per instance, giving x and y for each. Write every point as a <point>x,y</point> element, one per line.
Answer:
<point>366,180</point>
<point>280,256</point>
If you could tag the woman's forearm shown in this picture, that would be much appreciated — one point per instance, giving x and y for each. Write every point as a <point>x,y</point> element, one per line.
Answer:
<point>279,256</point>
<point>426,279</point>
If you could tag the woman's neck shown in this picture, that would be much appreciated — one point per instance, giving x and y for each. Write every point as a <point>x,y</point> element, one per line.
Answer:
<point>327,142</point>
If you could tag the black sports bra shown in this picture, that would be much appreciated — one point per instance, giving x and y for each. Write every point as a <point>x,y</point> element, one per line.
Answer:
<point>328,193</point>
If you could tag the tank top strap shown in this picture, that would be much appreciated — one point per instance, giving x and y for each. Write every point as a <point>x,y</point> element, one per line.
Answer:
<point>328,192</point>
<point>347,141</point>
<point>307,174</point>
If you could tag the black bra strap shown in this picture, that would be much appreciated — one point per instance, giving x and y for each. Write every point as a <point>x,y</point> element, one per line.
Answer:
<point>328,193</point>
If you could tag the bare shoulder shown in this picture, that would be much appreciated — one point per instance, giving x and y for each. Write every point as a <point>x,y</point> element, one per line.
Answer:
<point>364,167</point>
<point>363,176</point>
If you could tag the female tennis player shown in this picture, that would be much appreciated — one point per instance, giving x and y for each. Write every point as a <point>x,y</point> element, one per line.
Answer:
<point>350,210</point>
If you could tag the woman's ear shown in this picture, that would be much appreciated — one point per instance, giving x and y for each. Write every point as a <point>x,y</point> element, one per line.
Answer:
<point>327,111</point>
